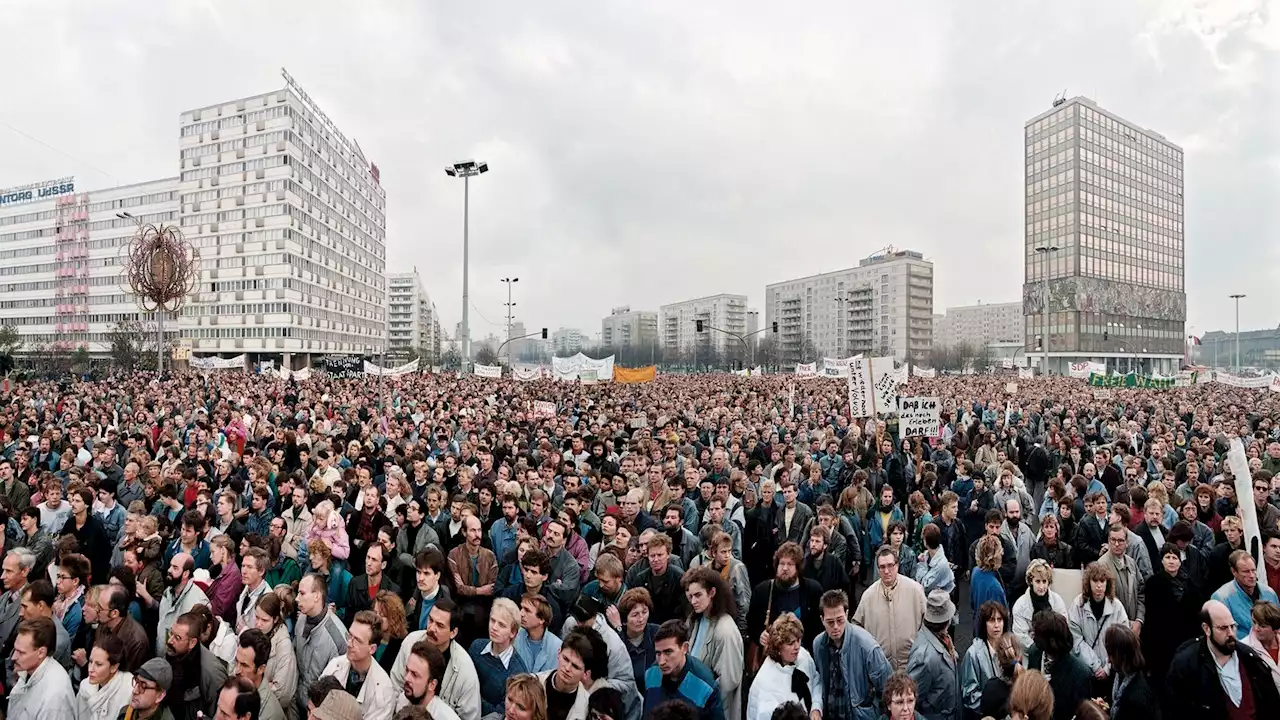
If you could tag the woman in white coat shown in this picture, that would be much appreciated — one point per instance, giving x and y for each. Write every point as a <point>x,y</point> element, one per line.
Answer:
<point>713,629</point>
<point>107,690</point>
<point>1091,613</point>
<point>1037,597</point>
<point>788,673</point>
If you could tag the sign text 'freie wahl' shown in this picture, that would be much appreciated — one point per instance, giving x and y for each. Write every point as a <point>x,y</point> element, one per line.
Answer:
<point>37,191</point>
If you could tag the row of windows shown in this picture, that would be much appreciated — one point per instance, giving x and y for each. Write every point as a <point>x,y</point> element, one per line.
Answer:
<point>1095,120</point>
<point>233,191</point>
<point>244,213</point>
<point>235,121</point>
<point>235,167</point>
<point>325,184</point>
<point>97,225</point>
<point>240,261</point>
<point>97,281</point>
<point>51,301</point>
<point>1131,154</point>
<point>51,319</point>
<point>239,285</point>
<point>108,205</point>
<point>214,148</point>
<point>1129,272</point>
<point>1110,224</point>
<point>238,309</point>
<point>1100,182</point>
<point>50,267</point>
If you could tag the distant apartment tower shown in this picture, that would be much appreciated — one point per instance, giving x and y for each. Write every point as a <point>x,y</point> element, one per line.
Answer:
<point>566,341</point>
<point>723,312</point>
<point>290,221</point>
<point>625,327</point>
<point>884,305</point>
<point>62,283</point>
<point>413,326</point>
<point>1108,195</point>
<point>978,325</point>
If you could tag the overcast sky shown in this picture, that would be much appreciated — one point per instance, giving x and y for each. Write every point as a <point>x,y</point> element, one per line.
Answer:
<point>648,152</point>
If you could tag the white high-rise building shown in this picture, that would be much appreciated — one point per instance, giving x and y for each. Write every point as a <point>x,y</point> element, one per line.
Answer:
<point>978,325</point>
<point>625,327</point>
<point>412,322</point>
<point>61,286</point>
<point>567,341</point>
<point>884,305</point>
<point>290,221</point>
<point>725,312</point>
<point>1104,242</point>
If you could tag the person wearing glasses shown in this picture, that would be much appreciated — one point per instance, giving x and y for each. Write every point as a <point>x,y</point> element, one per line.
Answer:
<point>1243,592</point>
<point>1217,677</point>
<point>150,686</point>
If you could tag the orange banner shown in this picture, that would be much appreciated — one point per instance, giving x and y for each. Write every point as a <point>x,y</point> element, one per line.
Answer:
<point>635,375</point>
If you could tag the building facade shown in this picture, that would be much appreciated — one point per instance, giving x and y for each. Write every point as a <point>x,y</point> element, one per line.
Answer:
<point>413,325</point>
<point>625,327</point>
<point>884,306</point>
<point>978,325</point>
<point>290,221</point>
<point>1258,349</point>
<point>1104,240</point>
<point>567,341</point>
<point>723,312</point>
<point>61,258</point>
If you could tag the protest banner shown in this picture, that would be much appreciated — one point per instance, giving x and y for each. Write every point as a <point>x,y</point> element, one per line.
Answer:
<point>489,371</point>
<point>1011,388</point>
<point>806,369</point>
<point>543,409</point>
<point>885,381</point>
<point>919,416</point>
<point>634,375</point>
<point>1102,394</point>
<point>861,403</point>
<point>342,366</point>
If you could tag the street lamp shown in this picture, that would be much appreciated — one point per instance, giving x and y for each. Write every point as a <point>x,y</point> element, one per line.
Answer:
<point>1237,297</point>
<point>509,304</point>
<point>466,170</point>
<point>1044,329</point>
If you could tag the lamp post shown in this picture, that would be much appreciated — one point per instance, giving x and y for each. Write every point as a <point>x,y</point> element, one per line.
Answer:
<point>510,305</point>
<point>1237,297</point>
<point>1044,329</point>
<point>466,170</point>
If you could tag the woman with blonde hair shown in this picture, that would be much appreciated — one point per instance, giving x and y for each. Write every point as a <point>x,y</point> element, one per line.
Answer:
<point>526,698</point>
<point>1031,698</point>
<point>1093,611</point>
<point>788,673</point>
<point>1039,596</point>
<point>984,582</point>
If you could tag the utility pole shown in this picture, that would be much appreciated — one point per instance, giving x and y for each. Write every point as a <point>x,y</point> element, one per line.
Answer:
<point>1044,329</point>
<point>510,307</point>
<point>1237,297</point>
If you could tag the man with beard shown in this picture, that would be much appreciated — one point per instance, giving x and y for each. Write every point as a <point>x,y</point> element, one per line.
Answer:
<point>197,673</point>
<point>684,544</point>
<point>821,566</point>
<point>459,686</point>
<point>786,592</point>
<point>423,671</point>
<point>1215,677</point>
<point>180,595</point>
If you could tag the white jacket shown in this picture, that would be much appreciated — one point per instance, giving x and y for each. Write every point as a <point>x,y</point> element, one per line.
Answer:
<point>106,702</point>
<point>377,697</point>
<point>772,686</point>
<point>460,687</point>
<point>1088,631</point>
<point>171,607</point>
<point>44,694</point>
<point>282,671</point>
<point>1022,615</point>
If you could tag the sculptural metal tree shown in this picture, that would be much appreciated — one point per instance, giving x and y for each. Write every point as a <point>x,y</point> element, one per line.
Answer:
<point>161,269</point>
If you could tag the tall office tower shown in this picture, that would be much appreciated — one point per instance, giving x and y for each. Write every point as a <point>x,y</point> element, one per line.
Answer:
<point>1104,241</point>
<point>884,306</point>
<point>290,221</point>
<point>413,325</point>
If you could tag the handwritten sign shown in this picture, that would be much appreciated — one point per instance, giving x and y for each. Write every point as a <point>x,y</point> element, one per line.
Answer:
<point>860,402</point>
<point>919,416</point>
<point>1102,394</point>
<point>544,410</point>
<point>886,380</point>
<point>1011,388</point>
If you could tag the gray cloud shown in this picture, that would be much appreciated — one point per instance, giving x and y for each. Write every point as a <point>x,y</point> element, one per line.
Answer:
<point>645,153</point>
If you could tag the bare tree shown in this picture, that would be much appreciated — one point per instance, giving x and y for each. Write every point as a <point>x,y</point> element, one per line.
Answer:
<point>486,356</point>
<point>133,345</point>
<point>451,358</point>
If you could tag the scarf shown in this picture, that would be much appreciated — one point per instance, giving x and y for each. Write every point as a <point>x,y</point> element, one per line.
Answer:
<point>62,605</point>
<point>1039,603</point>
<point>105,702</point>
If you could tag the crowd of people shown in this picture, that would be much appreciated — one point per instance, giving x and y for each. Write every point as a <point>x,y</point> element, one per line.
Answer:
<point>705,547</point>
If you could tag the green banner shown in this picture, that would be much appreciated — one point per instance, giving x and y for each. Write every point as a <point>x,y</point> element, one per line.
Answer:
<point>1131,380</point>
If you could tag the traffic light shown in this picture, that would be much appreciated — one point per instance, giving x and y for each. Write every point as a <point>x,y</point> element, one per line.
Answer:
<point>775,326</point>
<point>698,325</point>
<point>544,333</point>
<point>1038,343</point>
<point>1106,335</point>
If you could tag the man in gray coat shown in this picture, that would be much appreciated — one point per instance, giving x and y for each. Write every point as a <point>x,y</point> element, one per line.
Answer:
<point>198,673</point>
<point>319,636</point>
<point>566,574</point>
